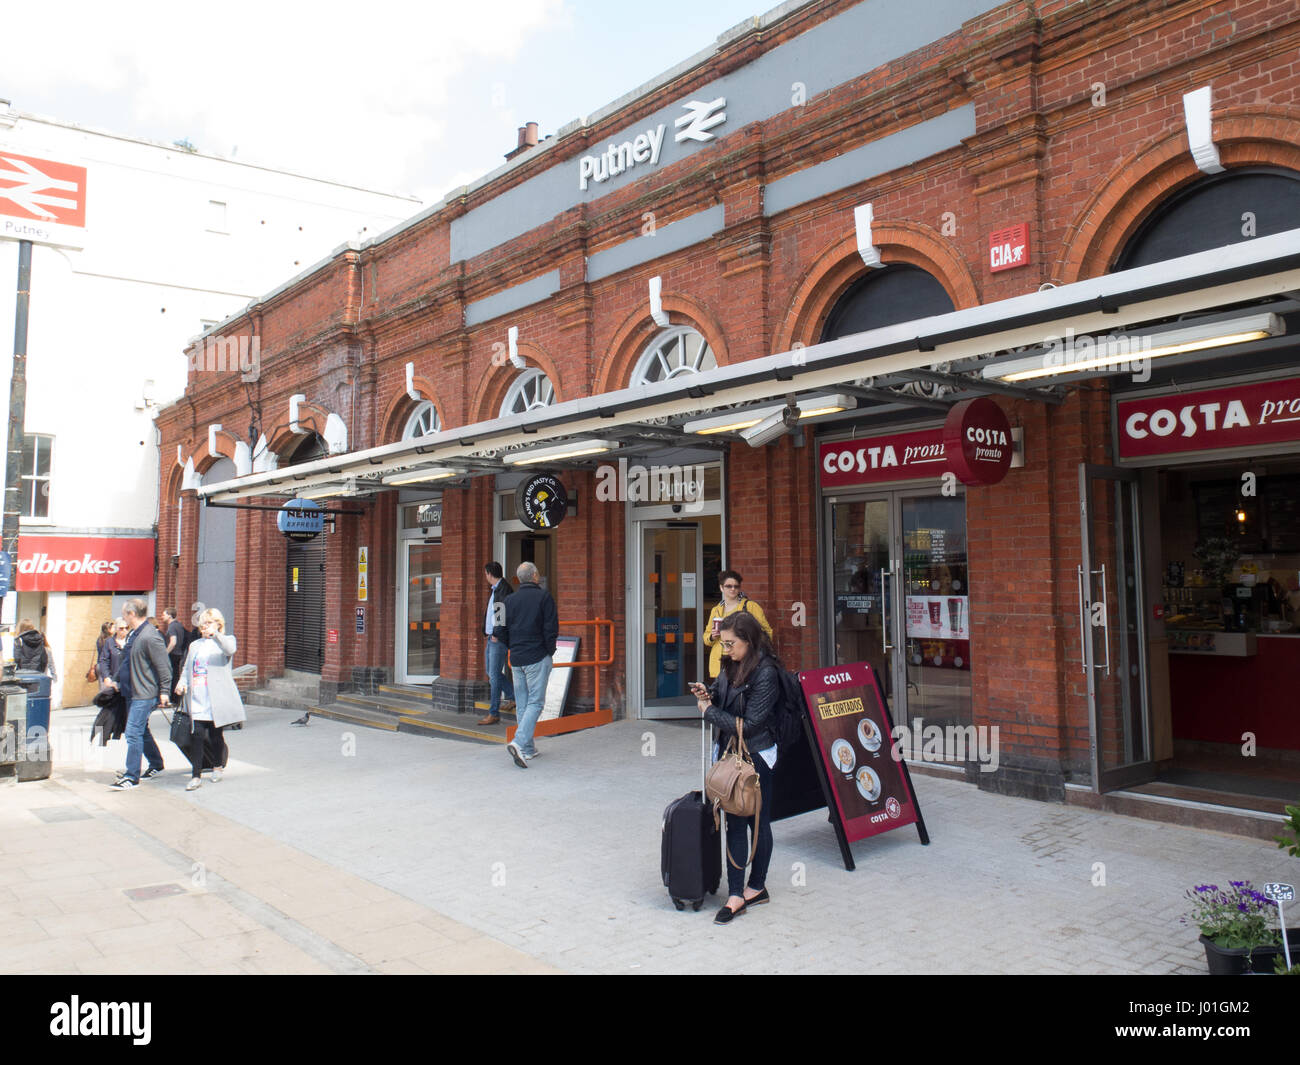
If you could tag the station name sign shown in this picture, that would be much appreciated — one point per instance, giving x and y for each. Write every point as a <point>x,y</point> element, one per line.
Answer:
<point>42,201</point>
<point>645,147</point>
<point>1245,415</point>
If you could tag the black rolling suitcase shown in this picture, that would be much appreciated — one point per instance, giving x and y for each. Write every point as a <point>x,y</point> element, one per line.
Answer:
<point>691,851</point>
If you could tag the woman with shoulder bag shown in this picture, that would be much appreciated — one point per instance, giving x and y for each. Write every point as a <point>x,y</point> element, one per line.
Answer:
<point>743,703</point>
<point>210,696</point>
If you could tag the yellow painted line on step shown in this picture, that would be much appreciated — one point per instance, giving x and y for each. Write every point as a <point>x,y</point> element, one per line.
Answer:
<point>436,726</point>
<point>336,715</point>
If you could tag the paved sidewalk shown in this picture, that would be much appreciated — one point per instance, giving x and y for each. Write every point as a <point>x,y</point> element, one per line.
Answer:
<point>338,849</point>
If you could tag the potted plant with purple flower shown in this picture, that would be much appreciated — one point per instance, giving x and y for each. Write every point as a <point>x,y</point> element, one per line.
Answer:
<point>1238,928</point>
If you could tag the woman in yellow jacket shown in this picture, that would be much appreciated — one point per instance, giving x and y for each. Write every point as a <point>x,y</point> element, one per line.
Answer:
<point>733,599</point>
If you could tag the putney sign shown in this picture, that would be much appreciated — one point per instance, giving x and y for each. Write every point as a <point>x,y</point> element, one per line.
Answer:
<point>645,147</point>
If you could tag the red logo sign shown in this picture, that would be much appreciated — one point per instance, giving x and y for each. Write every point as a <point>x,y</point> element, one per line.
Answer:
<point>977,441</point>
<point>84,564</point>
<point>1009,248</point>
<point>1237,416</point>
<point>41,190</point>
<point>900,457</point>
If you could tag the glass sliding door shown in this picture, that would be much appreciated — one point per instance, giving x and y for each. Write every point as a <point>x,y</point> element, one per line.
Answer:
<point>673,612</point>
<point>423,611</point>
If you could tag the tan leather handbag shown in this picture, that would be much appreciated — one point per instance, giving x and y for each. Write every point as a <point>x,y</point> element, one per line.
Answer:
<point>733,784</point>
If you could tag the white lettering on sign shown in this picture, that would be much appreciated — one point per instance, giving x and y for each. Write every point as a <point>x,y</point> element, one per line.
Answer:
<point>1006,254</point>
<point>42,563</point>
<point>616,158</point>
<point>836,678</point>
<point>1194,418</point>
<point>880,457</point>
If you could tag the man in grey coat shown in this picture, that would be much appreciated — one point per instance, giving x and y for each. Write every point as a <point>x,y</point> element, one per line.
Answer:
<point>145,679</point>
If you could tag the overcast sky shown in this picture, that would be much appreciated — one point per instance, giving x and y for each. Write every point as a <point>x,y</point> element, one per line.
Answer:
<point>393,96</point>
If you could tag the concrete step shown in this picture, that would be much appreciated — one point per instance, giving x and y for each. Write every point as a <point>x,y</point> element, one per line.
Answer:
<point>394,714</point>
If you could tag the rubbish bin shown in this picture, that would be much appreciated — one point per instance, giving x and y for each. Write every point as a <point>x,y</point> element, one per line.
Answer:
<point>34,731</point>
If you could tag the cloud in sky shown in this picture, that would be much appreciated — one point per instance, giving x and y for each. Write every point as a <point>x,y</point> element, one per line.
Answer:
<point>371,93</point>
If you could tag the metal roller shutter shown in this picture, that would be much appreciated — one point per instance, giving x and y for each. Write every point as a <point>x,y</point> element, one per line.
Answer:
<point>304,614</point>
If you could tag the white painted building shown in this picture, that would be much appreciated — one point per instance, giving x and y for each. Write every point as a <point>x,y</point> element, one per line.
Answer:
<point>174,241</point>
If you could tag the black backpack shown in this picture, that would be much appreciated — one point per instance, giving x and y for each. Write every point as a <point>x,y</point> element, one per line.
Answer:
<point>791,710</point>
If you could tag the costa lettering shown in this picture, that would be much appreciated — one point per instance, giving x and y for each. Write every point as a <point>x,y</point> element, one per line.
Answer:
<point>900,457</point>
<point>977,441</point>
<point>1236,416</point>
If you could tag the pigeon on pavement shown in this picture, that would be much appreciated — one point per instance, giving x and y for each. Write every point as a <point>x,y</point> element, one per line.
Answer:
<point>302,720</point>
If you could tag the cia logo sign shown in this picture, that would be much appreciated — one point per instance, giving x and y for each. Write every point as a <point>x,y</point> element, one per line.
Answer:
<point>541,501</point>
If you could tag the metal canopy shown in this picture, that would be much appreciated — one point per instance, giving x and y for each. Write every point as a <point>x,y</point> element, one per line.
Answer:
<point>948,350</point>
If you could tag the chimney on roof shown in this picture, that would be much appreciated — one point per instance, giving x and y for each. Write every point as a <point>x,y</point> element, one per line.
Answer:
<point>527,139</point>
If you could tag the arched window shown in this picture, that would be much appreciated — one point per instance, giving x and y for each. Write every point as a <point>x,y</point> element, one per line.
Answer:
<point>531,390</point>
<point>1216,211</point>
<point>896,293</point>
<point>675,352</point>
<point>422,422</point>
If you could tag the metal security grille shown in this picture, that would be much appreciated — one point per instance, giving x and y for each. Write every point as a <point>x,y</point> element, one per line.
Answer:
<point>304,614</point>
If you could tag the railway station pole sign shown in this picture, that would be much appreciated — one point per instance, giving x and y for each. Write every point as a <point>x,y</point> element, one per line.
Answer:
<point>42,201</point>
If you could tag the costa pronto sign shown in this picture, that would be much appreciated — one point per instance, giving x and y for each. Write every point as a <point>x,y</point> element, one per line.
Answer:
<point>977,441</point>
<point>875,459</point>
<point>1249,415</point>
<point>84,564</point>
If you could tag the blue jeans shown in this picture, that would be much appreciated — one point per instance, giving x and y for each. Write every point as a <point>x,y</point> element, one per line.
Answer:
<point>139,738</point>
<point>498,676</point>
<point>739,829</point>
<point>530,688</point>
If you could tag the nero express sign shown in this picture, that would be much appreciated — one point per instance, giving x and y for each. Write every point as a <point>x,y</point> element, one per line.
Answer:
<point>300,520</point>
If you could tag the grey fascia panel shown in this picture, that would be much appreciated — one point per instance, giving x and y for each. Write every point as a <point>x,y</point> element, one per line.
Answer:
<point>827,55</point>
<point>666,239</point>
<point>511,299</point>
<point>890,153</point>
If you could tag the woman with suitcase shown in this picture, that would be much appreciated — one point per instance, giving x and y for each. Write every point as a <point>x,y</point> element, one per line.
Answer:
<point>748,690</point>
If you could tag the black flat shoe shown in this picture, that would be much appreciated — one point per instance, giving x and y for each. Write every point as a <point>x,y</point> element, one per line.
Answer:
<point>759,899</point>
<point>727,914</point>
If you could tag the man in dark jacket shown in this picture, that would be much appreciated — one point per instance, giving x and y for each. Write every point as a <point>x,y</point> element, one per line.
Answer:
<point>145,679</point>
<point>532,627</point>
<point>494,627</point>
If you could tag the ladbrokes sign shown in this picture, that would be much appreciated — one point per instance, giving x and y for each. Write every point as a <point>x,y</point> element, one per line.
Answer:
<point>84,564</point>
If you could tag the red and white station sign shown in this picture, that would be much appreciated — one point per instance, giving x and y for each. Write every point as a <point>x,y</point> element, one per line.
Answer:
<point>42,200</point>
<point>1249,415</point>
<point>84,564</point>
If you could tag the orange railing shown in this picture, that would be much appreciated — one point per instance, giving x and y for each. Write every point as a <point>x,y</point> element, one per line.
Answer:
<point>600,715</point>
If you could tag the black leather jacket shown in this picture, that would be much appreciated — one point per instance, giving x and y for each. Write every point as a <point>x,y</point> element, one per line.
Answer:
<point>755,702</point>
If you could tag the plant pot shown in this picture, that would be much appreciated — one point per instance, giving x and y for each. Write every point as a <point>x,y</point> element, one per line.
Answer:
<point>1239,961</point>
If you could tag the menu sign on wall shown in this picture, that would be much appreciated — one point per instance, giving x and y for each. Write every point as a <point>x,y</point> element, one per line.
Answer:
<point>1246,415</point>
<point>854,734</point>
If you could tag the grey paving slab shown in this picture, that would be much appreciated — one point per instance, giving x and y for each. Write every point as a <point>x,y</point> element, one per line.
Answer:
<point>562,862</point>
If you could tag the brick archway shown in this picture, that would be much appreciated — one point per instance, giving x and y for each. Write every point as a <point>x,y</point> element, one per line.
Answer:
<point>492,389</point>
<point>839,266</point>
<point>1140,183</point>
<point>401,407</point>
<point>629,341</point>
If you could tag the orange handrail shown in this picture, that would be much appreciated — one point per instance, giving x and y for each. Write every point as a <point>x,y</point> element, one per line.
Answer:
<point>599,716</point>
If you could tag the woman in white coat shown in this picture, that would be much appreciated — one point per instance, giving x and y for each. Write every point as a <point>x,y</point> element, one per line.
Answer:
<point>210,695</point>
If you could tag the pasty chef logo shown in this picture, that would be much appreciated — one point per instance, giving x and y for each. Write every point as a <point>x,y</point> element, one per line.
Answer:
<point>1238,416</point>
<point>541,501</point>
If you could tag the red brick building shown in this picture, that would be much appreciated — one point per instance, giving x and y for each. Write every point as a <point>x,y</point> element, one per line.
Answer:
<point>870,209</point>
